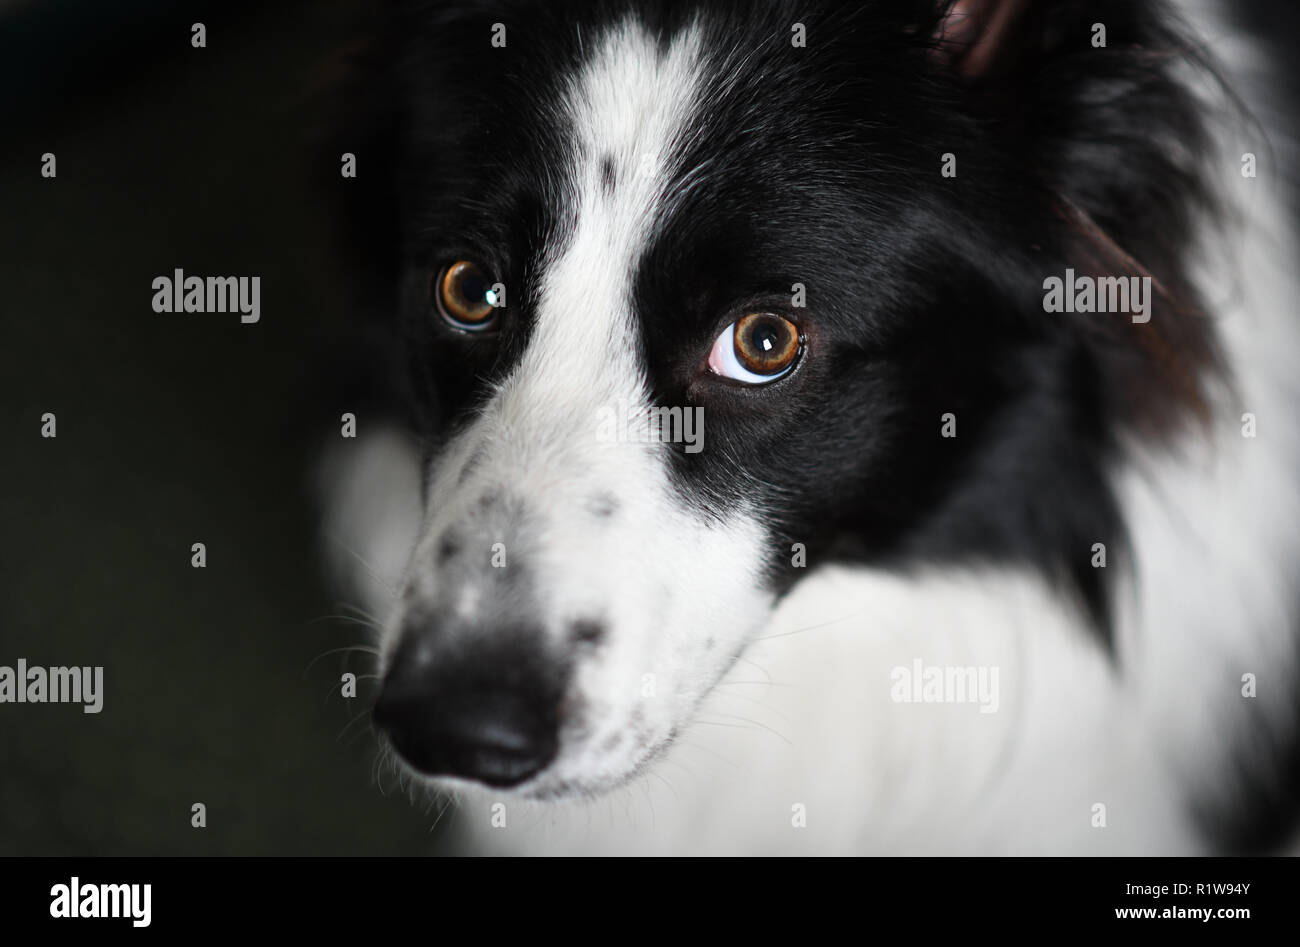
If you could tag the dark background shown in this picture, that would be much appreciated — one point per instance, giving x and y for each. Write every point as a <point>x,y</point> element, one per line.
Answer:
<point>176,428</point>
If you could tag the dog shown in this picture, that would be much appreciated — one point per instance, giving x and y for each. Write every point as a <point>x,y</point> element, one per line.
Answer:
<point>985,540</point>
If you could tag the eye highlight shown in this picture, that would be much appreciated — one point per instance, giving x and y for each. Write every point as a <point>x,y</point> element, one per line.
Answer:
<point>465,298</point>
<point>756,349</point>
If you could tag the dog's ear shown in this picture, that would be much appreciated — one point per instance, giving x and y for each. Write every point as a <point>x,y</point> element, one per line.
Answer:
<point>979,38</point>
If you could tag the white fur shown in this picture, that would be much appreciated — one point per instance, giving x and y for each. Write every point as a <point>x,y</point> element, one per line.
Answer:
<point>803,724</point>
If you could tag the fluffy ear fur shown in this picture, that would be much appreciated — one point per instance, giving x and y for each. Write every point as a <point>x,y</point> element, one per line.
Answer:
<point>1162,363</point>
<point>1023,66</point>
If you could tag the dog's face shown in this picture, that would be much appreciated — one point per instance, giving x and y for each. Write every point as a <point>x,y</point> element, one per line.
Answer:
<point>611,212</point>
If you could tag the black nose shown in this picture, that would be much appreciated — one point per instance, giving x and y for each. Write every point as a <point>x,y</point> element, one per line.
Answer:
<point>490,717</point>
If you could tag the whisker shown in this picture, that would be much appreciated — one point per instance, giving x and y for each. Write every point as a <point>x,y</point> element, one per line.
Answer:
<point>347,726</point>
<point>762,670</point>
<point>759,701</point>
<point>797,631</point>
<point>365,649</point>
<point>652,771</point>
<point>364,623</point>
<point>752,723</point>
<point>392,593</point>
<point>379,623</point>
<point>704,749</point>
<point>451,800</point>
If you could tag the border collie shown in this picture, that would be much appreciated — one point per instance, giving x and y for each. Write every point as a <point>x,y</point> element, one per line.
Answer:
<point>987,541</point>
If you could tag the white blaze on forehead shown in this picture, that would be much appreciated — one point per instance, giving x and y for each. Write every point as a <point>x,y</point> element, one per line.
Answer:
<point>628,109</point>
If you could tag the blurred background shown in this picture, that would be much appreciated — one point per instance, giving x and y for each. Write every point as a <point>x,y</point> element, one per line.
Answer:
<point>175,428</point>
<point>221,685</point>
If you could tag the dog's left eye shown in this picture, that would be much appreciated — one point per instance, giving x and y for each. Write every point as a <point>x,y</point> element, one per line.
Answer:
<point>756,349</point>
<point>465,297</point>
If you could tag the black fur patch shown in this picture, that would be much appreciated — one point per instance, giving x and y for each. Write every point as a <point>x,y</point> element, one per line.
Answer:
<point>608,176</point>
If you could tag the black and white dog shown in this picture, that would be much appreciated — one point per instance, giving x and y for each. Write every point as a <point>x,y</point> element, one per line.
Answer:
<point>834,428</point>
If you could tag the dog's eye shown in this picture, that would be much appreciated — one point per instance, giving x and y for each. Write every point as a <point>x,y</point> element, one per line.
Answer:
<point>465,297</point>
<point>757,348</point>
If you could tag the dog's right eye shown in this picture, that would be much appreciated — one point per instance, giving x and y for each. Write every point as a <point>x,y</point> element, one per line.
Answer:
<point>465,297</point>
<point>756,349</point>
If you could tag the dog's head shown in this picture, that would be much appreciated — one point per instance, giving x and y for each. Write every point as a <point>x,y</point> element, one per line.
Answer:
<point>695,297</point>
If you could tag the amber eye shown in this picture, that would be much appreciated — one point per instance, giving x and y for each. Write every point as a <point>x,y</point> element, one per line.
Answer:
<point>757,348</point>
<point>465,297</point>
